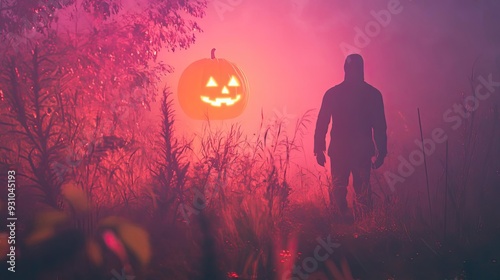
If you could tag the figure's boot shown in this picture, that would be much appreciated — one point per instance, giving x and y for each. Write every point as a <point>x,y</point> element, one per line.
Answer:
<point>340,194</point>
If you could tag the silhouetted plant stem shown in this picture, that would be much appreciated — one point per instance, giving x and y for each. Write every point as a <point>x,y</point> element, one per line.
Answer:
<point>425,164</point>
<point>210,270</point>
<point>446,191</point>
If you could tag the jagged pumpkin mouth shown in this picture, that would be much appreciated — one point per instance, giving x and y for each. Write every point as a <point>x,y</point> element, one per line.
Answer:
<point>219,101</point>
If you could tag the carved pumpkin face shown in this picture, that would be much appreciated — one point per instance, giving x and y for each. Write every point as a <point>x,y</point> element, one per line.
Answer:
<point>213,88</point>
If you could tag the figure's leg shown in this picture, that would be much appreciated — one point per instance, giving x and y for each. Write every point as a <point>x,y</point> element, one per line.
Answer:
<point>340,180</point>
<point>361,184</point>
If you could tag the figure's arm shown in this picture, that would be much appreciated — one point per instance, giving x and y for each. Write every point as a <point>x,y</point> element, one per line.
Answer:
<point>322,124</point>
<point>380,126</point>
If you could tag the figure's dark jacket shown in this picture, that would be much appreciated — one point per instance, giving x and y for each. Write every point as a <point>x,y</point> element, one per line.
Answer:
<point>356,110</point>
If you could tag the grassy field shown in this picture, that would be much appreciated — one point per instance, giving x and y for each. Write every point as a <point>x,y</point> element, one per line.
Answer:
<point>242,209</point>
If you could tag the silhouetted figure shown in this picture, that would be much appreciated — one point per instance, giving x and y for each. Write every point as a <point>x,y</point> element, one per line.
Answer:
<point>356,110</point>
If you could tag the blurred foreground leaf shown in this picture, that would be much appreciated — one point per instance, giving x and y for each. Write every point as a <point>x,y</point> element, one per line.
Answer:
<point>75,197</point>
<point>45,226</point>
<point>135,238</point>
<point>94,252</point>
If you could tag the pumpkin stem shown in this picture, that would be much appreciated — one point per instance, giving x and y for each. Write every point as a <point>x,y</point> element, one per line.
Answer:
<point>213,53</point>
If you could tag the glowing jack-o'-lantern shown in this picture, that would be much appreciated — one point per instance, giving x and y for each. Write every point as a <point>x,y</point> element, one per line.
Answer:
<point>214,89</point>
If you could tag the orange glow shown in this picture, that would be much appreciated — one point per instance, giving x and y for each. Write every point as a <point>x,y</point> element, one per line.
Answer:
<point>213,88</point>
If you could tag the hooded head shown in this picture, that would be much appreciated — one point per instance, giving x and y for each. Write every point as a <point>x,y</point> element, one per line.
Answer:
<point>354,68</point>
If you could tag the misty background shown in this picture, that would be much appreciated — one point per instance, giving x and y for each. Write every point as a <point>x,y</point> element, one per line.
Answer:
<point>291,54</point>
<point>427,55</point>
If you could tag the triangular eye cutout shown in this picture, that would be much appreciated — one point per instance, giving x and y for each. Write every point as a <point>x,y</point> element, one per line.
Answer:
<point>233,82</point>
<point>211,82</point>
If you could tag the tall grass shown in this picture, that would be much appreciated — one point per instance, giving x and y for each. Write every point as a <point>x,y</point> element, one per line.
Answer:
<point>259,216</point>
